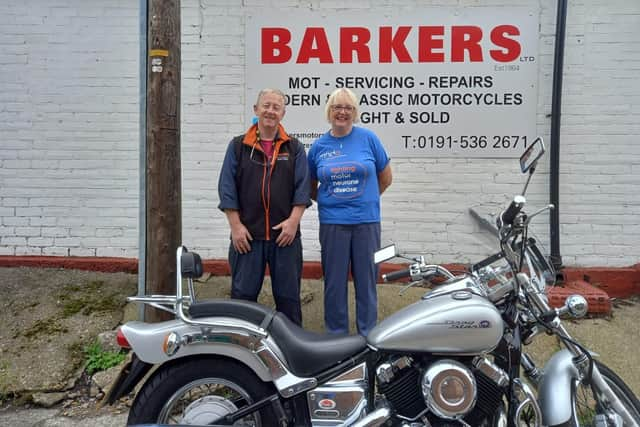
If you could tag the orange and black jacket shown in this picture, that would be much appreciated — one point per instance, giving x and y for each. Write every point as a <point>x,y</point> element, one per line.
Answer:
<point>264,192</point>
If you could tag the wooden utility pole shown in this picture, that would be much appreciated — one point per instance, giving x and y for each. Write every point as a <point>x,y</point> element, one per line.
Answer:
<point>163,175</point>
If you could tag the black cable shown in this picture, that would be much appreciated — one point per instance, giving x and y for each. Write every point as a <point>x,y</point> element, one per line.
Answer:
<point>564,338</point>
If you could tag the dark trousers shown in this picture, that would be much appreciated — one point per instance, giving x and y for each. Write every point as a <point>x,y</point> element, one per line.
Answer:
<point>285,267</point>
<point>345,247</point>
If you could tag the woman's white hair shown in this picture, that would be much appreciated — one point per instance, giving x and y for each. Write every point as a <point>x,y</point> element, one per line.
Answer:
<point>353,100</point>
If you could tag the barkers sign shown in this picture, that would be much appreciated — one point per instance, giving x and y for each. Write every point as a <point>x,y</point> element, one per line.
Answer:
<point>433,82</point>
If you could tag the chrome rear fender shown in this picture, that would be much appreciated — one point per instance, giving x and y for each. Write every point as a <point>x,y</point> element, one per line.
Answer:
<point>147,340</point>
<point>554,391</point>
<point>260,354</point>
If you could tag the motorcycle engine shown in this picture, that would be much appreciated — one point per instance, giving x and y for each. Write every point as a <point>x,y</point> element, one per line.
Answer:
<point>442,390</point>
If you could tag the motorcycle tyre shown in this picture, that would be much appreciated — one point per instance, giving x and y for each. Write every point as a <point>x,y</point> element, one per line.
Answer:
<point>149,401</point>
<point>621,390</point>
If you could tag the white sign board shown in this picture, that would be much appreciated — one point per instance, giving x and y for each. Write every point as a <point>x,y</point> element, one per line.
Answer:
<point>439,82</point>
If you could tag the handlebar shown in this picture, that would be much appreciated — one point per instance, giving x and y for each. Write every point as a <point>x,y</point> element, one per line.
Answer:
<point>513,210</point>
<point>487,261</point>
<point>395,275</point>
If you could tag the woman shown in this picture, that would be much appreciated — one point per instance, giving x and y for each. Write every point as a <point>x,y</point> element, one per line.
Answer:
<point>353,170</point>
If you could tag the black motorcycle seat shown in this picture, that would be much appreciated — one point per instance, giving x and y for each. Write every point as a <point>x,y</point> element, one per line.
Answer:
<point>307,353</point>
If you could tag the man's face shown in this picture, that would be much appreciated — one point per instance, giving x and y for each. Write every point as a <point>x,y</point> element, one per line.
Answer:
<point>269,110</point>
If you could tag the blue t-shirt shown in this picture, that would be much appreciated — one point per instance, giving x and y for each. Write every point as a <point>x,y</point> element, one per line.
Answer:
<point>347,169</point>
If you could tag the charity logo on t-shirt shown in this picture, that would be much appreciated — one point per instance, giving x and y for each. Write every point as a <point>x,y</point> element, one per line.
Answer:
<point>346,180</point>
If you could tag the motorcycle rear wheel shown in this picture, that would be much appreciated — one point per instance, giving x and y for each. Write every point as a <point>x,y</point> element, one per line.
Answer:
<point>200,392</point>
<point>586,408</point>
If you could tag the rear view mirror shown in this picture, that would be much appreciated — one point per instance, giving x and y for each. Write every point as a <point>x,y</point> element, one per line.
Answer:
<point>385,253</point>
<point>531,155</point>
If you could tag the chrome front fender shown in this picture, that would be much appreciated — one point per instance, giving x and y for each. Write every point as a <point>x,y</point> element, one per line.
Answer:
<point>149,341</point>
<point>554,391</point>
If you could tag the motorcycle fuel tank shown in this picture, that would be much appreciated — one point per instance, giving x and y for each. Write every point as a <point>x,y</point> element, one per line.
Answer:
<point>459,322</point>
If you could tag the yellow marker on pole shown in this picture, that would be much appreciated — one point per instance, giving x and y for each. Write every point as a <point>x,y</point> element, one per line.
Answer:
<point>158,52</point>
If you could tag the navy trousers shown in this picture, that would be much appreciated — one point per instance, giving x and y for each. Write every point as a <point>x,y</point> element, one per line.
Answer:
<point>344,248</point>
<point>285,267</point>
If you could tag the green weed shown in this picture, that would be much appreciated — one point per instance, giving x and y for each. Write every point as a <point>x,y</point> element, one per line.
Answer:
<point>99,360</point>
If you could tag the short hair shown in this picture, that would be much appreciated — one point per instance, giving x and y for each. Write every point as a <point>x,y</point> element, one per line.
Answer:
<point>352,98</point>
<point>270,90</point>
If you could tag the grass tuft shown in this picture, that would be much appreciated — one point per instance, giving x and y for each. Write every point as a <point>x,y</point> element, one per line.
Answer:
<point>100,360</point>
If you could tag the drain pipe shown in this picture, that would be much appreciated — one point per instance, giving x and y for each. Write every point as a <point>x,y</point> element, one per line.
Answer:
<point>142,153</point>
<point>556,107</point>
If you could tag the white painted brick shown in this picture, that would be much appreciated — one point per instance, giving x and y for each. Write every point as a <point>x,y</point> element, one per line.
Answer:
<point>93,242</point>
<point>113,252</point>
<point>55,251</point>
<point>13,241</point>
<point>15,221</point>
<point>27,231</point>
<point>29,212</point>
<point>55,232</point>
<point>28,250</point>
<point>7,231</point>
<point>82,252</point>
<point>626,240</point>
<point>16,164</point>
<point>577,249</point>
<point>631,229</point>
<point>7,250</point>
<point>40,241</point>
<point>68,242</point>
<point>82,231</point>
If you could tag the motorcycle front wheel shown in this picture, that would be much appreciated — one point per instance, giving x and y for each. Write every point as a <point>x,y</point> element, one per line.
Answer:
<point>587,409</point>
<point>200,392</point>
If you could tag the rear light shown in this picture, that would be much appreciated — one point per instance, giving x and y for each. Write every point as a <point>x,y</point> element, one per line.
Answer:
<point>122,340</point>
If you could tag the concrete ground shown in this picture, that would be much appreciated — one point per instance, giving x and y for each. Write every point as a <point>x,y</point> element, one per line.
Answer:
<point>39,417</point>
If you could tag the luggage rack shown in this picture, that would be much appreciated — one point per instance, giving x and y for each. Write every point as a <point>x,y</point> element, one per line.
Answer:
<point>189,266</point>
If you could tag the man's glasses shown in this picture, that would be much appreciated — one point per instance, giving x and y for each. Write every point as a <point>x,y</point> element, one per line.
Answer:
<point>269,106</point>
<point>347,108</point>
<point>258,159</point>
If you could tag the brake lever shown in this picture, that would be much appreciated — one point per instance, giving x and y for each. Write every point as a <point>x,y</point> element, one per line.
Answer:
<point>550,206</point>
<point>426,272</point>
<point>410,285</point>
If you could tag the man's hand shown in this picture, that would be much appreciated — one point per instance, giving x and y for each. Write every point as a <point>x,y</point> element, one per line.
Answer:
<point>240,237</point>
<point>289,228</point>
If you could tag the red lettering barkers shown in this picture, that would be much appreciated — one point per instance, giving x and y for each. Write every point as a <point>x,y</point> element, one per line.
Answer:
<point>355,45</point>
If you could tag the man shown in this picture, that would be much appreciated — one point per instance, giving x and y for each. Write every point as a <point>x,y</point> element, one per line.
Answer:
<point>264,190</point>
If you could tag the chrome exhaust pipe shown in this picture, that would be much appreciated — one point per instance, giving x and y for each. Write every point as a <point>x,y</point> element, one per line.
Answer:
<point>374,419</point>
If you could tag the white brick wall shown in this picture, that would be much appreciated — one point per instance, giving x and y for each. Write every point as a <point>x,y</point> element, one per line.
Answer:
<point>69,137</point>
<point>68,126</point>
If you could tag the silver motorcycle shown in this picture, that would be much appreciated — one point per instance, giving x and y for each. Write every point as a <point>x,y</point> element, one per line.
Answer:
<point>454,358</point>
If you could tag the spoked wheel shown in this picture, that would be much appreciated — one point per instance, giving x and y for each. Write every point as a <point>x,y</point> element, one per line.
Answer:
<point>201,392</point>
<point>589,413</point>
